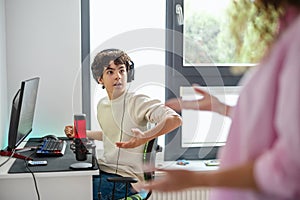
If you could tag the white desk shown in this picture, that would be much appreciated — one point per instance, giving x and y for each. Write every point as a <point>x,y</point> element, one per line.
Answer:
<point>71,185</point>
<point>194,165</point>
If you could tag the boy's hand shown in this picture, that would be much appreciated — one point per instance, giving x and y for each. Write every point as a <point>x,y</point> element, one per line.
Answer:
<point>69,131</point>
<point>137,140</point>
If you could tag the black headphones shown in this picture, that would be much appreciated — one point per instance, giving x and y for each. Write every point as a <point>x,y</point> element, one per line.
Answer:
<point>130,71</point>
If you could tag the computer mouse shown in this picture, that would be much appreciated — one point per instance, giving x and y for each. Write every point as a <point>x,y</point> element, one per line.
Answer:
<point>53,137</point>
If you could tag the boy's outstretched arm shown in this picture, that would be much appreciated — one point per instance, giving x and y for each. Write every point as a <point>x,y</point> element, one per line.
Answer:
<point>165,126</point>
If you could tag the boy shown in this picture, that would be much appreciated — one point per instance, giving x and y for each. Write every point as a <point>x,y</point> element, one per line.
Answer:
<point>123,118</point>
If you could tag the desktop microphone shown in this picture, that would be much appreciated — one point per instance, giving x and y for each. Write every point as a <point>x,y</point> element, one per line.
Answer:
<point>81,144</point>
<point>80,149</point>
<point>80,139</point>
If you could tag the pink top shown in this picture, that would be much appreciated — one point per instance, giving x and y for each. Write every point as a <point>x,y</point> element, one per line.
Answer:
<point>266,124</point>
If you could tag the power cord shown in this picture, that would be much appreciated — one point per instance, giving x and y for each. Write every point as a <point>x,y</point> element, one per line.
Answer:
<point>33,176</point>
<point>27,167</point>
<point>13,152</point>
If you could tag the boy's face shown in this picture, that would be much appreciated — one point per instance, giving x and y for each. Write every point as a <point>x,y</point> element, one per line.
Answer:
<point>114,79</point>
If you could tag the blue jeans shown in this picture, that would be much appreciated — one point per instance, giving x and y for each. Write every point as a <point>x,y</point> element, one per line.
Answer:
<point>106,187</point>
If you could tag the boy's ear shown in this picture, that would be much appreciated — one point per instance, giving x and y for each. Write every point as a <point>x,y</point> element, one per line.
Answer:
<point>100,80</point>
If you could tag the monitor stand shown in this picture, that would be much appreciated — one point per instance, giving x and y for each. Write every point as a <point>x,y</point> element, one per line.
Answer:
<point>15,155</point>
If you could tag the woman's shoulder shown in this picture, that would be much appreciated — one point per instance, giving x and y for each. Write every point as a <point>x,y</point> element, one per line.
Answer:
<point>292,32</point>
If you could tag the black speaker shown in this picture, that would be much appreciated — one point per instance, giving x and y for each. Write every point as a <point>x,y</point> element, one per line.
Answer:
<point>130,71</point>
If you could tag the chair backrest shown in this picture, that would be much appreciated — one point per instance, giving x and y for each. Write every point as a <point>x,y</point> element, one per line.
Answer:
<point>150,151</point>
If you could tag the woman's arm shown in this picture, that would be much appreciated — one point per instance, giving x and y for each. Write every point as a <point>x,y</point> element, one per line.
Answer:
<point>207,103</point>
<point>174,180</point>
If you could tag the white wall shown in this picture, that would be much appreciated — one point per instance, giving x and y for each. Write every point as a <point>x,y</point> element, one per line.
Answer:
<point>3,82</point>
<point>43,39</point>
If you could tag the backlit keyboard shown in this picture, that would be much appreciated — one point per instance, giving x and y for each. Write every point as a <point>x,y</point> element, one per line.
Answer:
<point>51,147</point>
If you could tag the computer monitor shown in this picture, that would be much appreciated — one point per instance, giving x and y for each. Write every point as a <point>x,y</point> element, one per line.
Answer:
<point>21,117</point>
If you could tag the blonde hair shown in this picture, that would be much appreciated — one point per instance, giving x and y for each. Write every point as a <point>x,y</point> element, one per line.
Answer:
<point>254,27</point>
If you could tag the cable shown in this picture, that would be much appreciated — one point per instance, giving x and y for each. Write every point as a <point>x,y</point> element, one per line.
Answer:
<point>121,131</point>
<point>26,164</point>
<point>34,179</point>
<point>13,152</point>
<point>119,149</point>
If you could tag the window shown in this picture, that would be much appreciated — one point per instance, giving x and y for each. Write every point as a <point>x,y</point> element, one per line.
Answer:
<point>199,50</point>
<point>205,40</point>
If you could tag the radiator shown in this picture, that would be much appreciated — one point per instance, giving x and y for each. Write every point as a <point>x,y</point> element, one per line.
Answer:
<point>199,194</point>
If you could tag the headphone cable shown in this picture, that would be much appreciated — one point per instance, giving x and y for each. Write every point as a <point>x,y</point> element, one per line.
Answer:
<point>121,135</point>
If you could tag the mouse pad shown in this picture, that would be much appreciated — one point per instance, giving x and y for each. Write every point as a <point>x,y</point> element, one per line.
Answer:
<point>55,164</point>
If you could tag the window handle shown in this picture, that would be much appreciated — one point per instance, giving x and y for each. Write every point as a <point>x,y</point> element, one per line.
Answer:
<point>179,14</point>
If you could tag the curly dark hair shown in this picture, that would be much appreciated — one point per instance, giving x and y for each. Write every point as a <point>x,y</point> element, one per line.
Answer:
<point>103,58</point>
